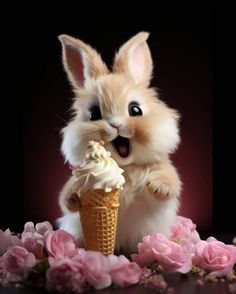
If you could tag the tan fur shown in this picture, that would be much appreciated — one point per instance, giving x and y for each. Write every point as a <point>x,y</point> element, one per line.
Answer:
<point>150,197</point>
<point>97,67</point>
<point>64,196</point>
<point>121,63</point>
<point>163,181</point>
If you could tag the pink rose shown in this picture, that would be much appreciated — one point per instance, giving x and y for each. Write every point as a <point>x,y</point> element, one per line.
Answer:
<point>33,237</point>
<point>43,228</point>
<point>96,269</point>
<point>182,227</point>
<point>215,257</point>
<point>17,262</point>
<point>29,227</point>
<point>33,241</point>
<point>39,228</point>
<point>3,273</point>
<point>184,232</point>
<point>170,255</point>
<point>1,265</point>
<point>123,272</point>
<point>7,239</point>
<point>66,275</point>
<point>34,244</point>
<point>60,244</point>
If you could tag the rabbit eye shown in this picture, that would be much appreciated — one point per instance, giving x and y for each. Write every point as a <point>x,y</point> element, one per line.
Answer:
<point>135,110</point>
<point>95,113</point>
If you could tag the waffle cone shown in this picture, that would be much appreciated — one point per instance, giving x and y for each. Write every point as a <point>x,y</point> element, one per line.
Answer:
<point>98,216</point>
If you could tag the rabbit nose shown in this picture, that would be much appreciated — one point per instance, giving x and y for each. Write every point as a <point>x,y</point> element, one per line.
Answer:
<point>116,125</point>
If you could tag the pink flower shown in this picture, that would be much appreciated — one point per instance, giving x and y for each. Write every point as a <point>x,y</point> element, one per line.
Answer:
<point>43,228</point>
<point>100,271</point>
<point>124,273</point>
<point>7,239</point>
<point>33,237</point>
<point>170,255</point>
<point>1,265</point>
<point>40,228</point>
<point>32,241</point>
<point>96,269</point>
<point>17,262</point>
<point>182,227</point>
<point>215,257</point>
<point>29,227</point>
<point>60,244</point>
<point>184,232</point>
<point>35,245</point>
<point>3,273</point>
<point>66,275</point>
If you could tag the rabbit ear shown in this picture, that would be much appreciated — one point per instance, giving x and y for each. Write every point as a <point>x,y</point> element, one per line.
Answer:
<point>134,58</point>
<point>81,62</point>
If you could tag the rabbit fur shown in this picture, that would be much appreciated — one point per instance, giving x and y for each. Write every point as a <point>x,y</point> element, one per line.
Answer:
<point>102,110</point>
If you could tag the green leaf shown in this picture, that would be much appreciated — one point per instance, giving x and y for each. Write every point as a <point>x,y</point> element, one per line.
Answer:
<point>41,266</point>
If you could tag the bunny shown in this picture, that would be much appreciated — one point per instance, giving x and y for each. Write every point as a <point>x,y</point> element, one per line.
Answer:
<point>120,108</point>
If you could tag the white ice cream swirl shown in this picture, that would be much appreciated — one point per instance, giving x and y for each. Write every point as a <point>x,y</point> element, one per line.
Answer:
<point>98,171</point>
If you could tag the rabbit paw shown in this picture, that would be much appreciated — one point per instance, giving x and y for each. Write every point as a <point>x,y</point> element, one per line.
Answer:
<point>161,186</point>
<point>73,202</point>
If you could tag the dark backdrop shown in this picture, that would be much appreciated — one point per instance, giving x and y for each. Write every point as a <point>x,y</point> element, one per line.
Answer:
<point>184,46</point>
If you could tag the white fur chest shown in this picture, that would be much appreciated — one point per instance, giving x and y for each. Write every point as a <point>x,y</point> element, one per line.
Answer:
<point>135,183</point>
<point>140,213</point>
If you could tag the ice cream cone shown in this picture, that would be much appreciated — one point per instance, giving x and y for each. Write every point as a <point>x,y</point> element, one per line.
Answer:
<point>98,182</point>
<point>98,215</point>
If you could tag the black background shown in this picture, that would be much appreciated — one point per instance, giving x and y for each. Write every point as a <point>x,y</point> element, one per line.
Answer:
<point>24,60</point>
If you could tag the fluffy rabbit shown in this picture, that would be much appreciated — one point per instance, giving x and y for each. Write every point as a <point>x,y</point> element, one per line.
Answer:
<point>138,129</point>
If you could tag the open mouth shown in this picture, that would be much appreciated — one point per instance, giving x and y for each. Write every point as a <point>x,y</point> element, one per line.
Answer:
<point>122,146</point>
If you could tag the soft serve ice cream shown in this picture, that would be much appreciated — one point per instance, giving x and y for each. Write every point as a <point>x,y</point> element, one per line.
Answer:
<point>98,171</point>
<point>99,181</point>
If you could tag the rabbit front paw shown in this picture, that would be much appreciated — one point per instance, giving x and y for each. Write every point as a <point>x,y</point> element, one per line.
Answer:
<point>162,187</point>
<point>73,202</point>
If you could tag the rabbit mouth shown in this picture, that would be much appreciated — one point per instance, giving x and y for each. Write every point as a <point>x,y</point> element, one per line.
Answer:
<point>122,146</point>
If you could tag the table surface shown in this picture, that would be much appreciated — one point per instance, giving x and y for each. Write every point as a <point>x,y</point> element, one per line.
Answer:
<point>186,285</point>
<point>182,284</point>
